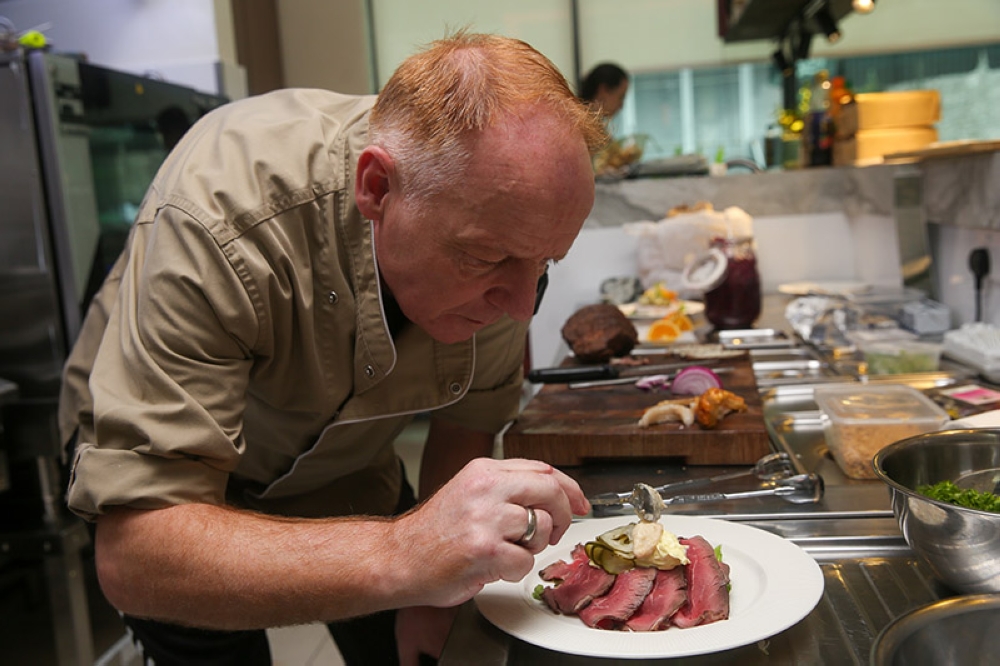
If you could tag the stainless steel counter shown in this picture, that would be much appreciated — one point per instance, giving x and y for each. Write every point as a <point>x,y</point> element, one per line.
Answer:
<point>871,576</point>
<point>862,595</point>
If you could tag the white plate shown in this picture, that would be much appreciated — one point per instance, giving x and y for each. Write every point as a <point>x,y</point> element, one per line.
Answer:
<point>824,288</point>
<point>774,585</point>
<point>653,312</point>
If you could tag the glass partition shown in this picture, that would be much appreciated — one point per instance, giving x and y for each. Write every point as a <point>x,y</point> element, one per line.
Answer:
<point>732,107</point>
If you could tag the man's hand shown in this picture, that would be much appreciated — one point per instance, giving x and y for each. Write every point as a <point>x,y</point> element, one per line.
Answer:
<point>468,533</point>
<point>222,568</point>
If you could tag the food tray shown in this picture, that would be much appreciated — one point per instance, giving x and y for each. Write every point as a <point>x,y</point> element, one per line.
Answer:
<point>901,357</point>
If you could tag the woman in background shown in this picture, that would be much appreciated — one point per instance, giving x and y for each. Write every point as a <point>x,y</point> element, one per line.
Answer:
<point>604,89</point>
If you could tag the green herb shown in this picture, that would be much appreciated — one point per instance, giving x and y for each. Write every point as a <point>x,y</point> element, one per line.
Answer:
<point>900,364</point>
<point>537,592</point>
<point>718,556</point>
<point>946,491</point>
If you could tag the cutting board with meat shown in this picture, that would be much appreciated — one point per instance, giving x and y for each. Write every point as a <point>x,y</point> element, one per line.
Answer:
<point>568,427</point>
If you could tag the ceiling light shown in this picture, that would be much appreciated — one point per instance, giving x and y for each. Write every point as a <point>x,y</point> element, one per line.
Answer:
<point>863,6</point>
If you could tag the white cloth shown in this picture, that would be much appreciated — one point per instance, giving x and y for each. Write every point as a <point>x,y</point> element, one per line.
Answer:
<point>989,419</point>
<point>667,246</point>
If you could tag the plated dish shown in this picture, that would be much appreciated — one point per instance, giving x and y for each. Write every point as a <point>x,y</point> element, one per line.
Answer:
<point>775,584</point>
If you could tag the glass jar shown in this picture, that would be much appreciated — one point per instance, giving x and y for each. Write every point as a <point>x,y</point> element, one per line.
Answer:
<point>735,301</point>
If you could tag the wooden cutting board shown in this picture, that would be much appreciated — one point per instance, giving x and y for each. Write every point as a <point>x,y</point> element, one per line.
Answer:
<point>568,427</point>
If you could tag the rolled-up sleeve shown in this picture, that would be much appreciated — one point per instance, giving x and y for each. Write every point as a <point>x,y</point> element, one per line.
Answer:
<point>170,375</point>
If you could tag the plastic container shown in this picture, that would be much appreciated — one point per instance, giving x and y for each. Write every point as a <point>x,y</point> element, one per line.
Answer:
<point>899,357</point>
<point>860,420</point>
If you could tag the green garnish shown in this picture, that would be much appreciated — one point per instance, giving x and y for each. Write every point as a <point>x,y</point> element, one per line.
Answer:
<point>718,556</point>
<point>537,592</point>
<point>946,491</point>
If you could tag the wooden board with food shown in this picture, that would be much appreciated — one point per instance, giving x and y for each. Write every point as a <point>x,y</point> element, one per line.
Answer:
<point>569,426</point>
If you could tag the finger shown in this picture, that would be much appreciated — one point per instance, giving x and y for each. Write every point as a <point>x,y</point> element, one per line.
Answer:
<point>514,562</point>
<point>523,465</point>
<point>577,500</point>
<point>531,526</point>
<point>515,522</point>
<point>548,492</point>
<point>543,530</point>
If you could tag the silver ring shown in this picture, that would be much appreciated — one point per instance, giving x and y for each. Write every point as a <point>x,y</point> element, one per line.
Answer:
<point>532,526</point>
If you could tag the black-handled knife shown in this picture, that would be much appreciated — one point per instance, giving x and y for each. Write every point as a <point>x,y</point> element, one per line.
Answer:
<point>586,373</point>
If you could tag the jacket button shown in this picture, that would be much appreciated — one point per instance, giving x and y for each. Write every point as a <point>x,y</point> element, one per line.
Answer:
<point>332,297</point>
<point>455,388</point>
<point>369,371</point>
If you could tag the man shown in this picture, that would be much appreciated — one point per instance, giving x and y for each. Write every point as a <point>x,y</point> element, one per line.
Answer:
<point>306,274</point>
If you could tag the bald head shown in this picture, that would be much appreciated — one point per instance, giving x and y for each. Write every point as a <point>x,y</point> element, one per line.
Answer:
<point>440,100</point>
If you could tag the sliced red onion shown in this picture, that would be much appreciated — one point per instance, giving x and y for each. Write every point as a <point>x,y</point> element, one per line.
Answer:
<point>653,382</point>
<point>695,380</point>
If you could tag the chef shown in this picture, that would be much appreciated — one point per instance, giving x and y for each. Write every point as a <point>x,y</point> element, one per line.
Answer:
<point>307,273</point>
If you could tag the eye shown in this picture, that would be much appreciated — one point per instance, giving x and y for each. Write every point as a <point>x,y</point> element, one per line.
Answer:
<point>479,264</point>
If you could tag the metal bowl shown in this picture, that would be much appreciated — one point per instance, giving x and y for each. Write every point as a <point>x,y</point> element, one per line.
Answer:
<point>960,546</point>
<point>960,630</point>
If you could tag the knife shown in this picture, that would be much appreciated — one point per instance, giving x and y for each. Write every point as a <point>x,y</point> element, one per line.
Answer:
<point>596,383</point>
<point>585,373</point>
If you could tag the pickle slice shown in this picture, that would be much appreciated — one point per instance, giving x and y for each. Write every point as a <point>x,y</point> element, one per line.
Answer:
<point>606,558</point>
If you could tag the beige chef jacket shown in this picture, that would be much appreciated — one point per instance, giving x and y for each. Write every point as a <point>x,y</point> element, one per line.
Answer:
<point>240,349</point>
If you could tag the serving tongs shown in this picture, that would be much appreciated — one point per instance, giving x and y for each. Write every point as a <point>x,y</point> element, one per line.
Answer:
<point>648,503</point>
<point>771,467</point>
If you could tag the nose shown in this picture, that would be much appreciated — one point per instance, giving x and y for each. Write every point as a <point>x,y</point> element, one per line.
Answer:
<point>516,292</point>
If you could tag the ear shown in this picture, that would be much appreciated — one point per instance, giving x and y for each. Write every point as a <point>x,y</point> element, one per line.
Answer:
<point>376,171</point>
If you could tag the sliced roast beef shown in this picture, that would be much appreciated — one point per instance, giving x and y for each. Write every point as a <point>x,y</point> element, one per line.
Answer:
<point>669,593</point>
<point>707,578</point>
<point>560,569</point>
<point>618,605</point>
<point>580,584</point>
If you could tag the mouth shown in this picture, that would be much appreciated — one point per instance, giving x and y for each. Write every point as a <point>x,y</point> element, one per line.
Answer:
<point>480,320</point>
<point>476,323</point>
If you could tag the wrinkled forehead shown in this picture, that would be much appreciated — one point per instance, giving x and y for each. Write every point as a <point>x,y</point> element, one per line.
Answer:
<point>539,137</point>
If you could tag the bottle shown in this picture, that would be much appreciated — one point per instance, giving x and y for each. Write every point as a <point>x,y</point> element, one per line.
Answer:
<point>773,150</point>
<point>839,95</point>
<point>790,122</point>
<point>819,129</point>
